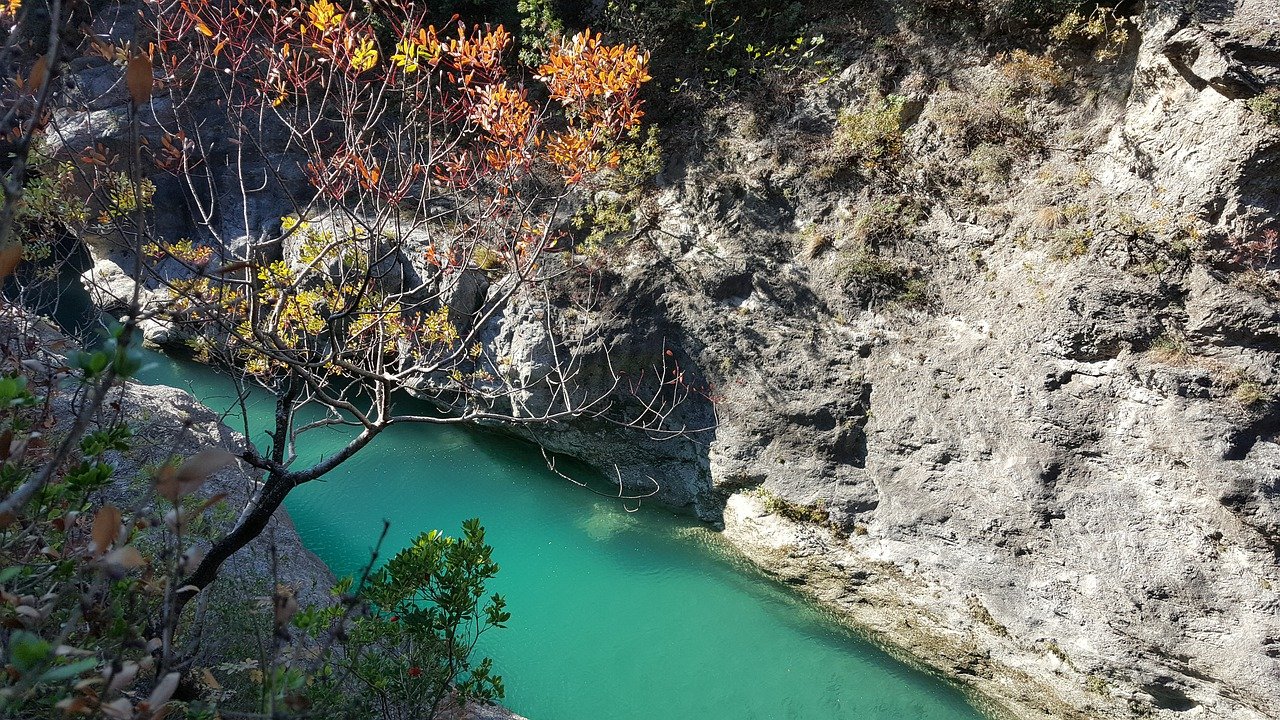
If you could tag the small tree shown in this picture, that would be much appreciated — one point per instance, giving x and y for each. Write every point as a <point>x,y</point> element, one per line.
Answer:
<point>422,252</point>
<point>427,225</point>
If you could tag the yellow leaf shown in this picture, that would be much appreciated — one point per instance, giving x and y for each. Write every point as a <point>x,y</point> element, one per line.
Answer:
<point>365,56</point>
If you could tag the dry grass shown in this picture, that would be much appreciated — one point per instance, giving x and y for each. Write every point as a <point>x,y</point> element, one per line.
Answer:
<point>816,241</point>
<point>1250,392</point>
<point>1048,218</point>
<point>1171,349</point>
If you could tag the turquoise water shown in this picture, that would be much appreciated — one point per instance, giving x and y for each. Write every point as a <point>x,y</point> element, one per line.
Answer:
<point>615,615</point>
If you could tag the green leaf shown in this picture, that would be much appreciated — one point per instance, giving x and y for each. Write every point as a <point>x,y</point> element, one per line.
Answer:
<point>27,650</point>
<point>66,672</point>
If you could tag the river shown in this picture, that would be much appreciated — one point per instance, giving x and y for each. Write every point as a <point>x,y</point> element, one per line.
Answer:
<point>626,616</point>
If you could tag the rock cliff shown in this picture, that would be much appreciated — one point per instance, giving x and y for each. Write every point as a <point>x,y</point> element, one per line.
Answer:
<point>1017,392</point>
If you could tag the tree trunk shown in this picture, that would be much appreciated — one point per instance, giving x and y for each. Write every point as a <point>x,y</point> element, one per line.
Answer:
<point>251,524</point>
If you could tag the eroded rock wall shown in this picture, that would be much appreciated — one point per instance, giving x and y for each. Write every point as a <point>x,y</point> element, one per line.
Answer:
<point>1057,475</point>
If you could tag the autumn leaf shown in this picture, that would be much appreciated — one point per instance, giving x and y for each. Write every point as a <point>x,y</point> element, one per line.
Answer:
<point>123,559</point>
<point>174,484</point>
<point>39,73</point>
<point>9,259</point>
<point>106,526</point>
<point>286,606</point>
<point>324,15</point>
<point>365,56</point>
<point>139,79</point>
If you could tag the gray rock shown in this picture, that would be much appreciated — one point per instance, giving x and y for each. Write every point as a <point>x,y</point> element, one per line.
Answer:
<point>1021,489</point>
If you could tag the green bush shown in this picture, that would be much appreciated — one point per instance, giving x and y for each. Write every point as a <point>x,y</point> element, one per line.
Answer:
<point>815,514</point>
<point>612,212</point>
<point>89,625</point>
<point>724,45</point>
<point>871,136</point>
<point>411,652</point>
<point>1103,28</point>
<point>1267,105</point>
<point>51,208</point>
<point>888,221</point>
<point>539,22</point>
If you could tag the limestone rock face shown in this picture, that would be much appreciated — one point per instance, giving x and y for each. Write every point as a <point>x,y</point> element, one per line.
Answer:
<point>1058,478</point>
<point>112,289</point>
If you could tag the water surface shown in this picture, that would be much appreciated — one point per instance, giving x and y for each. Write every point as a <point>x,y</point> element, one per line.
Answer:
<point>615,615</point>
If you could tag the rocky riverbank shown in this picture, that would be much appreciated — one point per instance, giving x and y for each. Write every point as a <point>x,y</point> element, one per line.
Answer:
<point>235,612</point>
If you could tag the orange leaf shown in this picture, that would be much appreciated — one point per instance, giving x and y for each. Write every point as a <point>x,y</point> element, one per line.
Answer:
<point>175,484</point>
<point>138,78</point>
<point>39,72</point>
<point>9,259</point>
<point>106,526</point>
<point>125,558</point>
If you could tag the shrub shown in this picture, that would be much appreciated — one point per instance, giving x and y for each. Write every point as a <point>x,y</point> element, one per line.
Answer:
<point>874,278</point>
<point>539,22</point>
<point>1067,243</point>
<point>1102,26</point>
<point>888,221</point>
<point>50,209</point>
<point>991,163</point>
<point>815,514</point>
<point>612,212</point>
<point>88,622</point>
<point>1266,105</point>
<point>973,119</point>
<point>83,586</point>
<point>873,135</point>
<point>720,45</point>
<point>1256,253</point>
<point>1031,74</point>
<point>1035,12</point>
<point>412,647</point>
